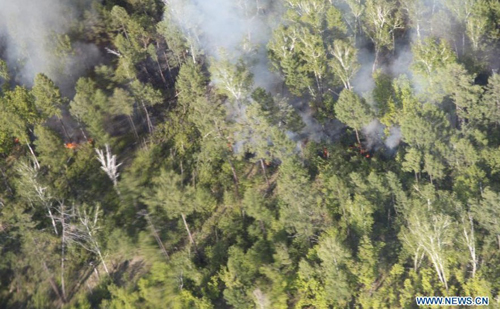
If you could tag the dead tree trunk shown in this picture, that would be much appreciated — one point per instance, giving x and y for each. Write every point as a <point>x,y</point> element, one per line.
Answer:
<point>63,244</point>
<point>155,234</point>
<point>132,124</point>
<point>50,276</point>
<point>37,164</point>
<point>148,119</point>
<point>471,244</point>
<point>191,239</point>
<point>264,171</point>
<point>235,178</point>
<point>357,138</point>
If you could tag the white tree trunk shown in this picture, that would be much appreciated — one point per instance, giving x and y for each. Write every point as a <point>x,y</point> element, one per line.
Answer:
<point>37,164</point>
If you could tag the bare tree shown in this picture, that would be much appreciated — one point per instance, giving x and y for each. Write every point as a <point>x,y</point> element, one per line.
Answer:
<point>89,222</point>
<point>109,165</point>
<point>83,231</point>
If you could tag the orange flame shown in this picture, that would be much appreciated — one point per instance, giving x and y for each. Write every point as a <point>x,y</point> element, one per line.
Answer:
<point>326,154</point>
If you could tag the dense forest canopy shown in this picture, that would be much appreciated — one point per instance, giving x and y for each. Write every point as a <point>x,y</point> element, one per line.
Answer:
<point>248,153</point>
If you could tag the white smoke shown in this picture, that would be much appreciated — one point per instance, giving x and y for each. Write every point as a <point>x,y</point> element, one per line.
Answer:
<point>363,82</point>
<point>394,138</point>
<point>32,40</point>
<point>374,135</point>
<point>239,28</point>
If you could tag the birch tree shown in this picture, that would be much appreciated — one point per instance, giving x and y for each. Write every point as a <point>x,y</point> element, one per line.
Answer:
<point>18,115</point>
<point>470,241</point>
<point>418,13</point>
<point>314,58</point>
<point>344,63</point>
<point>65,219</point>
<point>356,10</point>
<point>34,191</point>
<point>232,79</point>
<point>382,18</point>
<point>434,234</point>
<point>285,55</point>
<point>478,25</point>
<point>487,212</point>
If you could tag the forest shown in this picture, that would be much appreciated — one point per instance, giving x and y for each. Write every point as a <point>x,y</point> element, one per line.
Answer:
<point>267,154</point>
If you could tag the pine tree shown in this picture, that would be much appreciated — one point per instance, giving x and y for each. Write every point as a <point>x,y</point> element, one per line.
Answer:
<point>353,111</point>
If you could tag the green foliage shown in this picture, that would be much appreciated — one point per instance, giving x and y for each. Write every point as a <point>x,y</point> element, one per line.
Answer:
<point>344,63</point>
<point>89,106</point>
<point>47,97</point>
<point>232,80</point>
<point>381,19</point>
<point>353,110</point>
<point>190,84</point>
<point>334,268</point>
<point>431,55</point>
<point>486,211</point>
<point>121,102</point>
<point>50,148</point>
<point>240,188</point>
<point>299,210</point>
<point>426,128</point>
<point>20,102</point>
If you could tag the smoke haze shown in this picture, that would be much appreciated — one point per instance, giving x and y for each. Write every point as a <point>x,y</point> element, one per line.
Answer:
<point>241,29</point>
<point>32,41</point>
